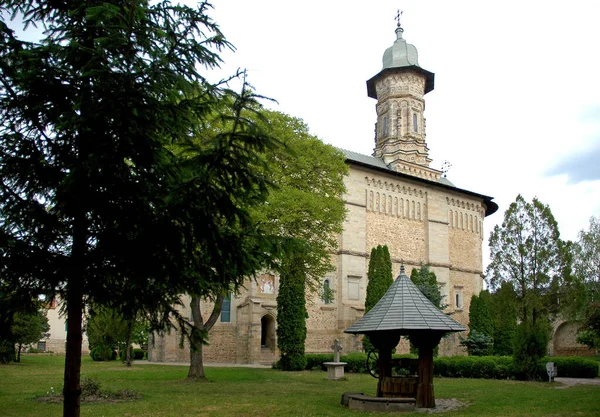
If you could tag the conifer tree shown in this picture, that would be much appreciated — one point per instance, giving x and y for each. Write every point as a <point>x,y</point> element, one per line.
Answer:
<point>380,279</point>
<point>291,307</point>
<point>503,309</point>
<point>426,281</point>
<point>94,204</point>
<point>480,339</point>
<point>526,250</point>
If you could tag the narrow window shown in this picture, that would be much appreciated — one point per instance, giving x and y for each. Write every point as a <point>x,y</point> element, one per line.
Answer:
<point>385,126</point>
<point>226,310</point>
<point>458,298</point>
<point>326,292</point>
<point>415,124</point>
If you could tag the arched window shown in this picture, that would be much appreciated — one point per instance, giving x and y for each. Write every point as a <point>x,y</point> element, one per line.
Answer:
<point>415,123</point>
<point>226,310</point>
<point>326,292</point>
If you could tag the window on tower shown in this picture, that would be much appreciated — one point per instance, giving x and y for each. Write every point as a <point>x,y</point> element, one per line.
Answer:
<point>386,126</point>
<point>415,123</point>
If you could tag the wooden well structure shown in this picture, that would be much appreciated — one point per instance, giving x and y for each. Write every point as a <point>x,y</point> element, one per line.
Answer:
<point>405,311</point>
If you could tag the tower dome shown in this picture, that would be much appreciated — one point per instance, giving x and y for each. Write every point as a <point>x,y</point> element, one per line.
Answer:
<point>401,53</point>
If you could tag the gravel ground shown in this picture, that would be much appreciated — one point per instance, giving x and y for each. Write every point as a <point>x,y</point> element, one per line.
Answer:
<point>569,382</point>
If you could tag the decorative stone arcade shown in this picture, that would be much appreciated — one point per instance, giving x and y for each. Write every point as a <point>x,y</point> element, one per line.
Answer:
<point>405,311</point>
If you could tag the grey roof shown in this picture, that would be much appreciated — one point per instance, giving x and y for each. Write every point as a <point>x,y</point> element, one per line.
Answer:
<point>378,164</point>
<point>401,53</point>
<point>404,308</point>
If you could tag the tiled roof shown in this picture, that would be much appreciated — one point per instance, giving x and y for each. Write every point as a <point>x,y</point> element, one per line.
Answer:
<point>404,308</point>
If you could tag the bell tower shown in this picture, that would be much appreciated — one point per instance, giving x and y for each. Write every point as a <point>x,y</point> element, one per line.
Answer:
<point>399,89</point>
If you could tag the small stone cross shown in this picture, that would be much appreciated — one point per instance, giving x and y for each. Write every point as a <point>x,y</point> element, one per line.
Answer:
<point>336,350</point>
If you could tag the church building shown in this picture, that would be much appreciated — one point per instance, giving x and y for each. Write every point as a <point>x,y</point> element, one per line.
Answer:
<point>393,198</point>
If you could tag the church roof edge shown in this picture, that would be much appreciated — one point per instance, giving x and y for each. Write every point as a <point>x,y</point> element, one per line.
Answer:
<point>377,164</point>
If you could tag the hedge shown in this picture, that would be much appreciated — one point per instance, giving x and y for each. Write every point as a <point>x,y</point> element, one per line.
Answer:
<point>487,367</point>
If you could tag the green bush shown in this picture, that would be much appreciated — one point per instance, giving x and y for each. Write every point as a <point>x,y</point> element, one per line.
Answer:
<point>355,362</point>
<point>315,361</point>
<point>486,367</point>
<point>136,355</point>
<point>571,367</point>
<point>529,348</point>
<point>103,353</point>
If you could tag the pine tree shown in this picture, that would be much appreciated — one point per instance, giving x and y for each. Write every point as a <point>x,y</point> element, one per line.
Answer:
<point>426,281</point>
<point>380,279</point>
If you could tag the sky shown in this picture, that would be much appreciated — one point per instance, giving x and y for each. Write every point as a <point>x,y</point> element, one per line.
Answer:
<point>516,104</point>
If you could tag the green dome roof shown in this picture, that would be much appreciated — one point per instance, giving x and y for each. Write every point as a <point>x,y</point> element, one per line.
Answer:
<point>400,54</point>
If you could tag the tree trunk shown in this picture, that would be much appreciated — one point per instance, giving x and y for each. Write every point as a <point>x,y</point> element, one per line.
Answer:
<point>74,304</point>
<point>196,363</point>
<point>72,389</point>
<point>196,360</point>
<point>19,353</point>
<point>128,348</point>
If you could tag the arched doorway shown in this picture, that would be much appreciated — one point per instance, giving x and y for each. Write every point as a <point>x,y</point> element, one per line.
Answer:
<point>267,332</point>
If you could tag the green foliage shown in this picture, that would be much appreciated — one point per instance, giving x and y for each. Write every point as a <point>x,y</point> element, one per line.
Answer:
<point>480,339</point>
<point>479,314</point>
<point>106,327</point>
<point>590,331</point>
<point>292,315</point>
<point>526,250</point>
<point>136,354</point>
<point>503,307</point>
<point>305,208</point>
<point>426,281</point>
<point>95,204</point>
<point>572,367</point>
<point>587,259</point>
<point>22,322</point>
<point>529,347</point>
<point>103,353</point>
<point>477,343</point>
<point>28,328</point>
<point>380,280</point>
<point>589,338</point>
<point>305,202</point>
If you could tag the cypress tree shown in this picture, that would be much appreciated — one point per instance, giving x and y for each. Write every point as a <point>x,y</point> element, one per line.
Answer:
<point>291,332</point>
<point>380,279</point>
<point>479,314</point>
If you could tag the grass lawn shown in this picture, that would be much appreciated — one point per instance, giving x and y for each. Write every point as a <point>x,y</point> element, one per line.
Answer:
<point>266,392</point>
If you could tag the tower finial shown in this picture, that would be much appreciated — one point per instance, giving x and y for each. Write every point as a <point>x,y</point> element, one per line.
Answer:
<point>398,16</point>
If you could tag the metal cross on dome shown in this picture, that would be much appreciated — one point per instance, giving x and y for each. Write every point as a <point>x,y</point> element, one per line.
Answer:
<point>398,16</point>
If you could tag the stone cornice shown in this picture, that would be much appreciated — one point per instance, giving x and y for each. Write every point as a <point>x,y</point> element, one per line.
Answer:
<point>411,262</point>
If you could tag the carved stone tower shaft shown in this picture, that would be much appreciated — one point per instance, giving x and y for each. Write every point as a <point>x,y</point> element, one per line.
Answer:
<point>400,88</point>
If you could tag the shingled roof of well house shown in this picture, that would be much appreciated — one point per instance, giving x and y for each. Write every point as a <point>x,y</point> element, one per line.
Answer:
<point>404,308</point>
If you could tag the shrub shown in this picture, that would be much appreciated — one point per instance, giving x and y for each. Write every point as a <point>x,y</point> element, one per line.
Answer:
<point>315,361</point>
<point>477,343</point>
<point>355,362</point>
<point>103,353</point>
<point>136,354</point>
<point>570,367</point>
<point>90,387</point>
<point>530,347</point>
